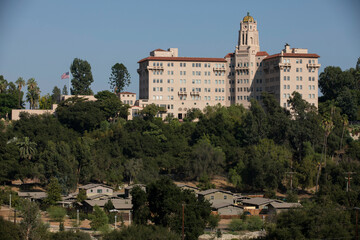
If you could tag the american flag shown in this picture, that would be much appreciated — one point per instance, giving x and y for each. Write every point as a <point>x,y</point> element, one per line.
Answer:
<point>65,75</point>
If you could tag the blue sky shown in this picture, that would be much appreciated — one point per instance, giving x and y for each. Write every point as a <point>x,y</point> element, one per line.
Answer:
<point>40,38</point>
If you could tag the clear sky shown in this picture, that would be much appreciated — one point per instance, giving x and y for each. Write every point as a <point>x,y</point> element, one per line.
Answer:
<point>40,38</point>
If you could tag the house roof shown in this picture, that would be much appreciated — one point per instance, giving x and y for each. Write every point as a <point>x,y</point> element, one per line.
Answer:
<point>118,203</point>
<point>70,196</point>
<point>299,55</point>
<point>210,191</point>
<point>257,201</point>
<point>229,55</point>
<point>222,204</point>
<point>34,195</point>
<point>159,49</point>
<point>261,53</point>
<point>101,195</point>
<point>182,59</point>
<point>94,185</point>
<point>127,93</point>
<point>284,205</point>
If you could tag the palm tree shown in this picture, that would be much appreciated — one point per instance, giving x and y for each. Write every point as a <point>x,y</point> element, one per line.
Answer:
<point>20,83</point>
<point>27,148</point>
<point>3,84</point>
<point>33,93</point>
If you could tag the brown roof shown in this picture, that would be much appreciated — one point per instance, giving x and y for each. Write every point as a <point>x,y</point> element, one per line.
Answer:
<point>262,53</point>
<point>127,93</point>
<point>159,49</point>
<point>93,185</point>
<point>210,191</point>
<point>301,55</point>
<point>284,205</point>
<point>182,59</point>
<point>229,55</point>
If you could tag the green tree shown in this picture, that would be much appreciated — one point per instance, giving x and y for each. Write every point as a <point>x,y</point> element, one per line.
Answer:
<point>69,235</point>
<point>141,212</point>
<point>45,102</point>
<point>79,114</point>
<point>82,77</point>
<point>53,192</point>
<point>31,226</point>
<point>33,93</point>
<point>8,230</point>
<point>150,111</point>
<point>165,201</point>
<point>20,82</point>
<point>135,232</point>
<point>65,90</point>
<point>111,105</point>
<point>120,77</point>
<point>3,84</point>
<point>81,196</point>
<point>56,94</point>
<point>57,214</point>
<point>98,218</point>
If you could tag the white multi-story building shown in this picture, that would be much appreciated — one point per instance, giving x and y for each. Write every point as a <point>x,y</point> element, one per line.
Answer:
<point>181,83</point>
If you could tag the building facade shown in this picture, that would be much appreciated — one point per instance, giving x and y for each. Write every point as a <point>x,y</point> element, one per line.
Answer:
<point>182,83</point>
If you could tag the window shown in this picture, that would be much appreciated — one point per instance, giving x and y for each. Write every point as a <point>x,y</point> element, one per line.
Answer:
<point>297,69</point>
<point>99,191</point>
<point>225,197</point>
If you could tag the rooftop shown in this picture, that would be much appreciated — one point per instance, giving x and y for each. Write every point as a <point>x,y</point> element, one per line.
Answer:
<point>182,59</point>
<point>94,185</point>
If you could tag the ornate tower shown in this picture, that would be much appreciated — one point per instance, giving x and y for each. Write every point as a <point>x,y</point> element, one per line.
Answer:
<point>248,35</point>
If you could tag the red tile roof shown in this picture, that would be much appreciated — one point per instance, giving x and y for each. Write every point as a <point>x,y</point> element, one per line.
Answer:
<point>183,59</point>
<point>127,93</point>
<point>159,49</point>
<point>299,55</point>
<point>262,53</point>
<point>229,55</point>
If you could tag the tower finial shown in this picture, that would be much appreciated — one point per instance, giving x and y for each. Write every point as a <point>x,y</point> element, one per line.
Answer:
<point>248,13</point>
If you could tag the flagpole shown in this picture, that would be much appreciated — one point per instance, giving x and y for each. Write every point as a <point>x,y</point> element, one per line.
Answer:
<point>69,83</point>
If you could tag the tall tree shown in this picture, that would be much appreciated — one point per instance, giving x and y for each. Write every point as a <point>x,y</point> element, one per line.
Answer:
<point>56,94</point>
<point>53,192</point>
<point>27,148</point>
<point>20,83</point>
<point>3,84</point>
<point>65,90</point>
<point>33,93</point>
<point>120,77</point>
<point>82,77</point>
<point>45,102</point>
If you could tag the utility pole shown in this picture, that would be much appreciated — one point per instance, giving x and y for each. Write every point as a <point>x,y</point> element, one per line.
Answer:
<point>183,236</point>
<point>115,222</point>
<point>348,178</point>
<point>291,174</point>
<point>77,218</point>
<point>14,216</point>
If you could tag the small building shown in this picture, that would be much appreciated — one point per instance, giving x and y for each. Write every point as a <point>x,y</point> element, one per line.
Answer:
<point>122,206</point>
<point>97,188</point>
<point>128,98</point>
<point>278,207</point>
<point>216,195</point>
<point>227,210</point>
<point>33,196</point>
<point>257,205</point>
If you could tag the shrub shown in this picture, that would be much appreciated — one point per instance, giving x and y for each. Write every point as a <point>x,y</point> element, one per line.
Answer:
<point>237,225</point>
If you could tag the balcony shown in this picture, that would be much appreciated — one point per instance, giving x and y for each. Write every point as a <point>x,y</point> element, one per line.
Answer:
<point>196,93</point>
<point>219,68</point>
<point>155,68</point>
<point>242,68</point>
<point>313,65</point>
<point>182,93</point>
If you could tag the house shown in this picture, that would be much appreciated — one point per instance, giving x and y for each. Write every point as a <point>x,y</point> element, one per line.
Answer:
<point>130,187</point>
<point>257,205</point>
<point>122,206</point>
<point>227,210</point>
<point>278,207</point>
<point>33,196</point>
<point>69,200</point>
<point>188,187</point>
<point>96,188</point>
<point>216,195</point>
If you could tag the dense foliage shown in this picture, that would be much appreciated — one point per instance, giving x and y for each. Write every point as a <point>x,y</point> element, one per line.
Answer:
<point>255,148</point>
